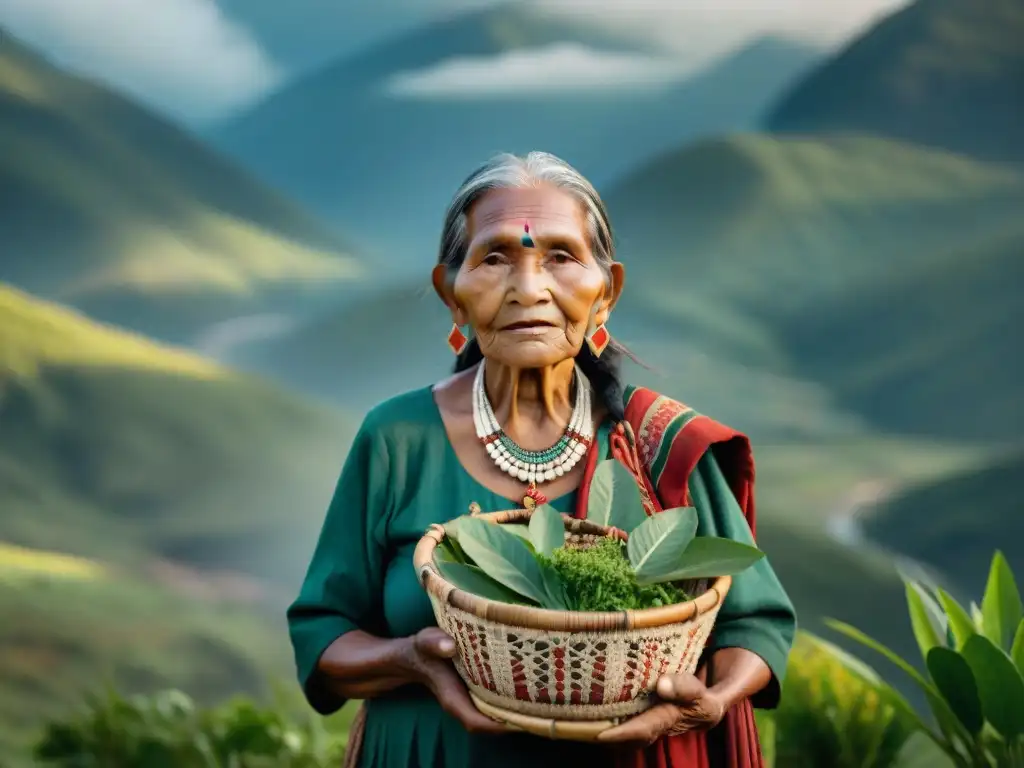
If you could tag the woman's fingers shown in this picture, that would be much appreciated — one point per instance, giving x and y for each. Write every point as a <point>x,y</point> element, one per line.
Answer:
<point>451,692</point>
<point>435,642</point>
<point>645,727</point>
<point>681,689</point>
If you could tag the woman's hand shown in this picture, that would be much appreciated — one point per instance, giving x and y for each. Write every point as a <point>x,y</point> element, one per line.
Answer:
<point>429,658</point>
<point>687,704</point>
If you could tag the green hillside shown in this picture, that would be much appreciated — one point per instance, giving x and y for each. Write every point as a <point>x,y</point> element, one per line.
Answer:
<point>109,207</point>
<point>405,153</point>
<point>936,346</point>
<point>70,631</point>
<point>780,252</point>
<point>157,511</point>
<point>956,524</point>
<point>948,73</point>
<point>117,448</point>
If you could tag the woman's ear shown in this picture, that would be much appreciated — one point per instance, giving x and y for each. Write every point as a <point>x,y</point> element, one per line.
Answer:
<point>443,288</point>
<point>617,279</point>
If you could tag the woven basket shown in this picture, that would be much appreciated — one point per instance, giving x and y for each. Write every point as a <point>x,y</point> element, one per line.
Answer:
<point>564,674</point>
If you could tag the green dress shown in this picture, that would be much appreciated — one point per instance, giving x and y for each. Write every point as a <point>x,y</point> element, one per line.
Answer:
<point>401,476</point>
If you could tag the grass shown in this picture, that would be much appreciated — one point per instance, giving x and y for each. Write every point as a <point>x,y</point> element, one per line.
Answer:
<point>104,201</point>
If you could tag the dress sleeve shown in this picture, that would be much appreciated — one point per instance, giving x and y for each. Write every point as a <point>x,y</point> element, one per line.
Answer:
<point>343,587</point>
<point>757,613</point>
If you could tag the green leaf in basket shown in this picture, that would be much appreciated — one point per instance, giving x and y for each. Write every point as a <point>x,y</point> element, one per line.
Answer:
<point>450,551</point>
<point>706,557</point>
<point>522,531</point>
<point>1001,610</point>
<point>953,677</point>
<point>504,557</point>
<point>1000,685</point>
<point>614,497</point>
<point>546,529</point>
<point>471,579</point>
<point>554,589</point>
<point>655,547</point>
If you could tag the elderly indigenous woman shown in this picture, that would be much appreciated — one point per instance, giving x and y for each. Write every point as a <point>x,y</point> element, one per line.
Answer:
<point>527,266</point>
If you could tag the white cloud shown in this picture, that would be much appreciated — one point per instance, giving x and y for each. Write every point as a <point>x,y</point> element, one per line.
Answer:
<point>182,56</point>
<point>565,67</point>
<point>703,29</point>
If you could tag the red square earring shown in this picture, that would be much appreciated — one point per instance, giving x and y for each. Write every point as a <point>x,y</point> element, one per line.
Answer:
<point>598,340</point>
<point>457,340</point>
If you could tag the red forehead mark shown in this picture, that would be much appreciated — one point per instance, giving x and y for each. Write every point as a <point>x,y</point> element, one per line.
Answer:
<point>527,241</point>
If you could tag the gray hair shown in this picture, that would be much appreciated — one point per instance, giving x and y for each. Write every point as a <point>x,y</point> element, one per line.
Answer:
<point>508,171</point>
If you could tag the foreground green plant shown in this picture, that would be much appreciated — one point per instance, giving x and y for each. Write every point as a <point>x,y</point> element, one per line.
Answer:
<point>531,565</point>
<point>168,730</point>
<point>974,683</point>
<point>834,712</point>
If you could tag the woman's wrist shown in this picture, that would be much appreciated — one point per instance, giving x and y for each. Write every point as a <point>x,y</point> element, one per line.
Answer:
<point>360,659</point>
<point>737,674</point>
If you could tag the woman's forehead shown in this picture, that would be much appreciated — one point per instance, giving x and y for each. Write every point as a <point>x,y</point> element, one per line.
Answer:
<point>543,207</point>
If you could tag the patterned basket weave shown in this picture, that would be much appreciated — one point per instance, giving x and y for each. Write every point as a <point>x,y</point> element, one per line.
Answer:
<point>563,665</point>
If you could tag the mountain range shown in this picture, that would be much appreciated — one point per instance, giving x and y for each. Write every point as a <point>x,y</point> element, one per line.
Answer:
<point>946,73</point>
<point>848,298</point>
<point>113,209</point>
<point>326,137</point>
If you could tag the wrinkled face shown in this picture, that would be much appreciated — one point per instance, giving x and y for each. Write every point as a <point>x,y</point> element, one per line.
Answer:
<point>530,286</point>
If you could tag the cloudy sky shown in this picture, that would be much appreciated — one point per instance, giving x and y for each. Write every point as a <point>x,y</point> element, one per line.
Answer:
<point>201,59</point>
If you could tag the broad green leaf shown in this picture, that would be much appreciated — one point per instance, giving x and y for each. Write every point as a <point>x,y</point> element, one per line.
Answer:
<point>1017,650</point>
<point>921,751</point>
<point>655,547</point>
<point>450,547</point>
<point>706,557</point>
<point>503,556</point>
<point>522,532</point>
<point>556,596</point>
<point>1001,607</point>
<point>959,620</point>
<point>977,618</point>
<point>614,497</point>
<point>1000,685</point>
<point>471,579</point>
<point>953,677</point>
<point>943,714</point>
<point>546,529</point>
<point>928,629</point>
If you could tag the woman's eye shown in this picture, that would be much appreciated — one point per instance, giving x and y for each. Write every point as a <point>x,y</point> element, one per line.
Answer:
<point>492,259</point>
<point>561,257</point>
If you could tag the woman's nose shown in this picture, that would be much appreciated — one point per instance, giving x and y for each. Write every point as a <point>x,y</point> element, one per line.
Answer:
<point>530,284</point>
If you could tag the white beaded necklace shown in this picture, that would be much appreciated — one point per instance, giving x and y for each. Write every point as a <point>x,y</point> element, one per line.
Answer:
<point>535,467</point>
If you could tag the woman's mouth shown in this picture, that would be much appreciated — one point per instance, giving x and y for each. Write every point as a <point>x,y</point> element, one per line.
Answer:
<point>529,326</point>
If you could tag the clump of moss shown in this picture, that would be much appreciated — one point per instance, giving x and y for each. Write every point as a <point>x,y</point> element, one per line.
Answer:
<point>600,578</point>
